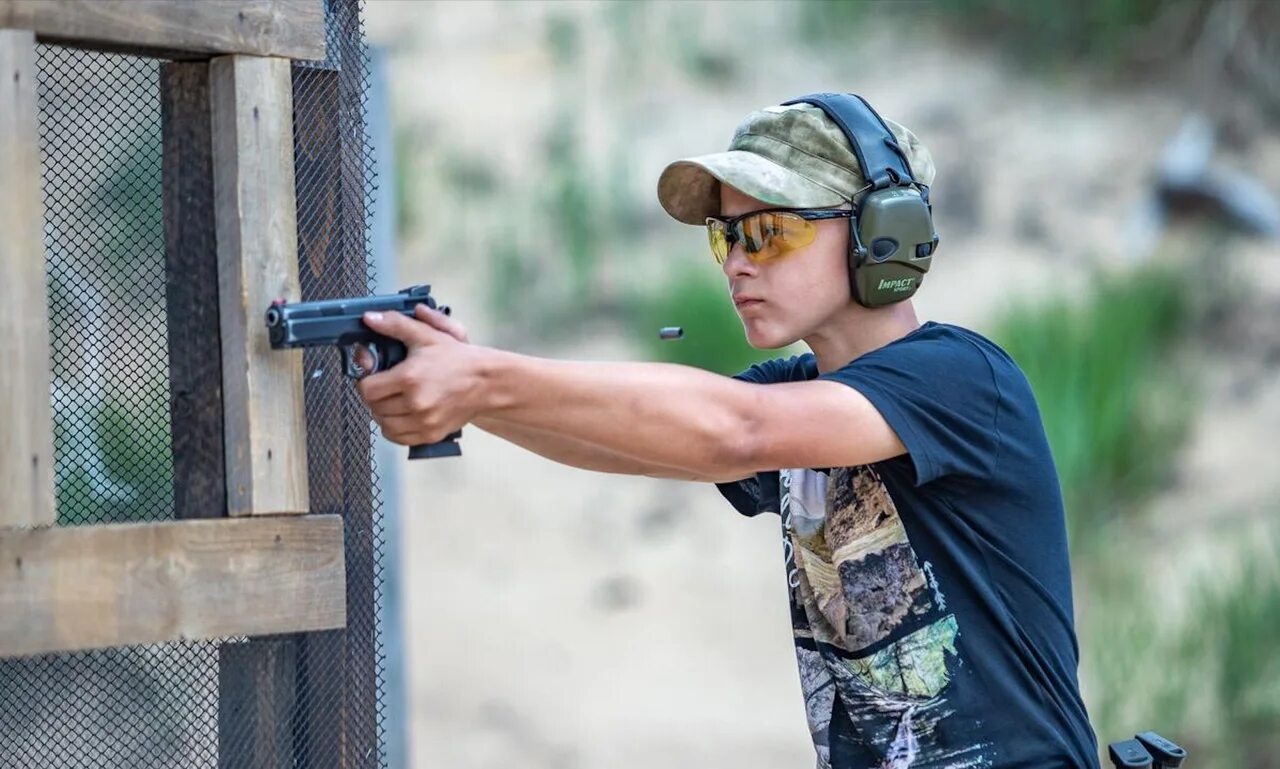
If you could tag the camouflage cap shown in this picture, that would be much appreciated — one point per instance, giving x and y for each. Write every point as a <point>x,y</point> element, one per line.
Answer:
<point>791,156</point>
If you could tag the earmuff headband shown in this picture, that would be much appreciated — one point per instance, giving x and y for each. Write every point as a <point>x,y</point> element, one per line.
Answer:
<point>881,159</point>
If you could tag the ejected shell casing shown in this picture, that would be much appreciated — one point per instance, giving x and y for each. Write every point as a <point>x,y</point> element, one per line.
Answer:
<point>671,332</point>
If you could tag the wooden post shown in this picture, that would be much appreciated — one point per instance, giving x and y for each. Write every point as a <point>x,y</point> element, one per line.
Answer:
<point>337,707</point>
<point>26,423</point>
<point>191,266</point>
<point>265,467</point>
<point>257,694</point>
<point>256,223</point>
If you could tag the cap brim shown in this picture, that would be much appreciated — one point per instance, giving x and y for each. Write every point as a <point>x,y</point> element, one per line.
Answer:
<point>688,189</point>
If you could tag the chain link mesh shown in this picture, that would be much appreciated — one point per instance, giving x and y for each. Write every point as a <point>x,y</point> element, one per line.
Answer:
<point>101,152</point>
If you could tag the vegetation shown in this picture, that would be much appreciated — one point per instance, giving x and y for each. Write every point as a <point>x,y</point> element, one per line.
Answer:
<point>1113,404</point>
<point>1109,34</point>
<point>696,298</point>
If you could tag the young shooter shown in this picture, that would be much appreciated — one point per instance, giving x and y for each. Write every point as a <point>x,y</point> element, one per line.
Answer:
<point>921,515</point>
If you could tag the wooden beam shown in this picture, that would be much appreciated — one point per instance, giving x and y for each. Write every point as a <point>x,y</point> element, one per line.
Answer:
<point>68,588</point>
<point>191,268</point>
<point>26,424</point>
<point>256,223</point>
<point>176,28</point>
<point>339,689</point>
<point>257,695</point>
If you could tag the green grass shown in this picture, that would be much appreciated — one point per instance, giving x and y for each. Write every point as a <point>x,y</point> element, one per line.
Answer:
<point>1210,678</point>
<point>1116,399</point>
<point>546,258</point>
<point>1236,631</point>
<point>572,204</point>
<point>697,299</point>
<point>1114,405</point>
<point>1104,34</point>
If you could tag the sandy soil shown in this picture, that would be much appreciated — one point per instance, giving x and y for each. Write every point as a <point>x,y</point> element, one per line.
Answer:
<point>564,618</point>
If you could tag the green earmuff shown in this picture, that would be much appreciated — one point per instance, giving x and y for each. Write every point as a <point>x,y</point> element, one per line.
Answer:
<point>891,234</point>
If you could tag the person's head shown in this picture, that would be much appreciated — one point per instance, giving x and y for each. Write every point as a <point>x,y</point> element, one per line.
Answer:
<point>795,161</point>
<point>801,289</point>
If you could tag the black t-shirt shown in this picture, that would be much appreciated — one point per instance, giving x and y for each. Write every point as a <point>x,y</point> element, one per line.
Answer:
<point>931,593</point>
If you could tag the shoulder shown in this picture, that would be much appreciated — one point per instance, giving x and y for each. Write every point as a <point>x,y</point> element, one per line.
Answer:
<point>934,354</point>
<point>1006,375</point>
<point>940,389</point>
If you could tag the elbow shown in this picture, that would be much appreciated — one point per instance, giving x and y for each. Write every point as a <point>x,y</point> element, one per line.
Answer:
<point>736,452</point>
<point>731,461</point>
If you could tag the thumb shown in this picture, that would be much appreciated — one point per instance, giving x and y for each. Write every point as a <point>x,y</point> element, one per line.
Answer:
<point>441,322</point>
<point>395,325</point>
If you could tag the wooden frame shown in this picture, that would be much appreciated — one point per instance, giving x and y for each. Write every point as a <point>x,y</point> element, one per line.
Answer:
<point>237,407</point>
<point>248,111</point>
<point>175,29</point>
<point>255,212</point>
<point>26,452</point>
<point>80,587</point>
<point>191,269</point>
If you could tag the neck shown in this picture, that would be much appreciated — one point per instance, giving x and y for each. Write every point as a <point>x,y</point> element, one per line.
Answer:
<point>857,330</point>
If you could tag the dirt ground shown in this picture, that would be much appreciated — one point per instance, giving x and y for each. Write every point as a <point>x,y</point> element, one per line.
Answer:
<point>563,618</point>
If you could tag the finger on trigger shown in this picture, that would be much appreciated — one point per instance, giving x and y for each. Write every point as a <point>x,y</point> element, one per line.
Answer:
<point>364,359</point>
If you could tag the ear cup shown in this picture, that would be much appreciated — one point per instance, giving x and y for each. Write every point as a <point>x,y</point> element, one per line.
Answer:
<point>892,243</point>
<point>891,235</point>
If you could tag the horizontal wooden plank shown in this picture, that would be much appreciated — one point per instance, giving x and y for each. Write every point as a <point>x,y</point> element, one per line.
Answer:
<point>171,28</point>
<point>83,587</point>
<point>26,452</point>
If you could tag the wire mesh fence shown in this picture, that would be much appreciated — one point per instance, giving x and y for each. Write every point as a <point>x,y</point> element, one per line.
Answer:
<point>166,705</point>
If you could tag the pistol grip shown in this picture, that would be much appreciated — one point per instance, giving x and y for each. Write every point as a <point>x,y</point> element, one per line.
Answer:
<point>446,448</point>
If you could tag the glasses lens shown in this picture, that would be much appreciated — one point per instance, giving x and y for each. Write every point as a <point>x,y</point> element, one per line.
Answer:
<point>719,243</point>
<point>771,234</point>
<point>764,236</point>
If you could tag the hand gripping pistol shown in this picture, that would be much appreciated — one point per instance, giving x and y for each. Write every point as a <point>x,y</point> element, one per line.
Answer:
<point>339,322</point>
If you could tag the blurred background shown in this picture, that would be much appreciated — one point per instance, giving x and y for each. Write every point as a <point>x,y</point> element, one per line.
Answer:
<point>1108,172</point>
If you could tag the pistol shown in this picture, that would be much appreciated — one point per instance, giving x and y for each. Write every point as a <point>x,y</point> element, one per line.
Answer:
<point>340,322</point>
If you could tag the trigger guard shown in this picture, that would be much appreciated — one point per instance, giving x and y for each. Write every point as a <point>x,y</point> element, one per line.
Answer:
<point>349,365</point>
<point>355,370</point>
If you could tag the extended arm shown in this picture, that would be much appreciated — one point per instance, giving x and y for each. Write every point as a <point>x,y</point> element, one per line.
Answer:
<point>576,453</point>
<point>709,426</point>
<point>713,426</point>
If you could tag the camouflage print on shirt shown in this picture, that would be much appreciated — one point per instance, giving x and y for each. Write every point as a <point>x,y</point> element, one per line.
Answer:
<point>870,624</point>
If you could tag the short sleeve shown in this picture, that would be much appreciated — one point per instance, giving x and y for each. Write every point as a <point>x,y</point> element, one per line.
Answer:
<point>775,370</point>
<point>759,494</point>
<point>939,393</point>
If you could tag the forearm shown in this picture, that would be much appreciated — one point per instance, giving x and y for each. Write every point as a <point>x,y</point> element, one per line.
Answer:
<point>659,413</point>
<point>574,452</point>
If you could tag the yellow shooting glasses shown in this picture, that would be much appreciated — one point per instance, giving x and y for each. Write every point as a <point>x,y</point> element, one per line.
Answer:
<point>768,233</point>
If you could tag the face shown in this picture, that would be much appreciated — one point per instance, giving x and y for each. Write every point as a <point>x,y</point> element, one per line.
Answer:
<point>800,291</point>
